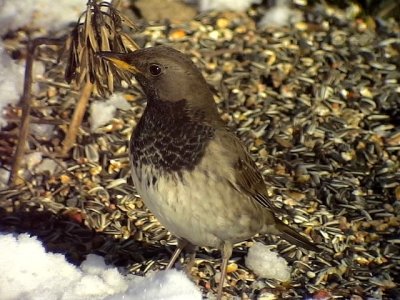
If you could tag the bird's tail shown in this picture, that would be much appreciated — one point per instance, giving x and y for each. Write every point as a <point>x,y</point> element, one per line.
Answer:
<point>292,236</point>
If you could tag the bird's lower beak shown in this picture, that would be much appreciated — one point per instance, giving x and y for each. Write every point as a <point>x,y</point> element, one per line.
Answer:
<point>120,60</point>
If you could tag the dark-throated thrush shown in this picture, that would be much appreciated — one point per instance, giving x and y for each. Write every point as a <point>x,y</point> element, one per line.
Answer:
<point>191,171</point>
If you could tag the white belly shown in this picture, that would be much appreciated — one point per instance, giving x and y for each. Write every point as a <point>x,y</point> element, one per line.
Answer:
<point>199,208</point>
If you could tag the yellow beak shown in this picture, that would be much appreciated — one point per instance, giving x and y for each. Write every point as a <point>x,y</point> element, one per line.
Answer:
<point>120,60</point>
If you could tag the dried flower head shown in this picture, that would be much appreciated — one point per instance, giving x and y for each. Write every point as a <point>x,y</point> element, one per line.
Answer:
<point>100,30</point>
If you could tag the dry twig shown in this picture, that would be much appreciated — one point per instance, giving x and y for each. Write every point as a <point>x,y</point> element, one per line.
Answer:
<point>101,30</point>
<point>26,100</point>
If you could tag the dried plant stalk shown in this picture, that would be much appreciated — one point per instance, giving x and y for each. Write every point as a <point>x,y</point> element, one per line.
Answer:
<point>77,117</point>
<point>26,100</point>
<point>101,30</point>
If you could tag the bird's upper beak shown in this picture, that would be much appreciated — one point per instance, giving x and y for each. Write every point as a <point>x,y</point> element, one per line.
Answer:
<point>120,60</point>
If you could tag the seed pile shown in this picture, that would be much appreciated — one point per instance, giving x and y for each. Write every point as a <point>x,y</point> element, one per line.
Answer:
<point>318,105</point>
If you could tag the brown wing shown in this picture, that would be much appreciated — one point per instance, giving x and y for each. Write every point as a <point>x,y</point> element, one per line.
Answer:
<point>247,177</point>
<point>250,180</point>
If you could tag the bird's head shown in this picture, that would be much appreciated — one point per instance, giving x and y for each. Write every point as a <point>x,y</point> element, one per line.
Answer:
<point>166,74</point>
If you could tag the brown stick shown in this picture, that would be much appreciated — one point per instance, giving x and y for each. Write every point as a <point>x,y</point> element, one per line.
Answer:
<point>26,103</point>
<point>77,118</point>
<point>26,109</point>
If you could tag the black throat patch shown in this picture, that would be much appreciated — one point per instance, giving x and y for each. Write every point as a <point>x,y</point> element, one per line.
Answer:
<point>170,138</point>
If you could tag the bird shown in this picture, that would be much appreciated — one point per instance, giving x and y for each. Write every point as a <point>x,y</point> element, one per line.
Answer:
<point>192,172</point>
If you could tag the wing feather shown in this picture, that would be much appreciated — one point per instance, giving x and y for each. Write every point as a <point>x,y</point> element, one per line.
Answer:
<point>247,177</point>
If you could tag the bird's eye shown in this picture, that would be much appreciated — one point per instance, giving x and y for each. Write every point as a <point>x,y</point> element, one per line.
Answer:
<point>155,69</point>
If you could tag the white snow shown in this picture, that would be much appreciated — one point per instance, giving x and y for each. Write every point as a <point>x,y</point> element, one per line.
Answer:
<point>27,271</point>
<point>102,112</point>
<point>219,5</point>
<point>46,165</point>
<point>118,100</point>
<point>161,285</point>
<point>267,264</point>
<point>36,14</point>
<point>4,176</point>
<point>280,15</point>
<point>42,131</point>
<point>11,81</point>
<point>31,160</point>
